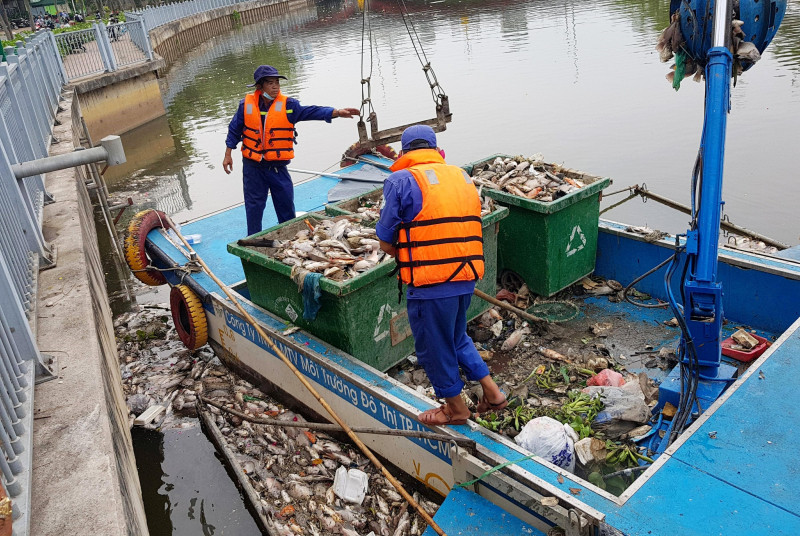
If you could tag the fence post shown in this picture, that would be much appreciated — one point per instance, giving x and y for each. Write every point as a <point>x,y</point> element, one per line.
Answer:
<point>146,40</point>
<point>101,37</point>
<point>54,50</point>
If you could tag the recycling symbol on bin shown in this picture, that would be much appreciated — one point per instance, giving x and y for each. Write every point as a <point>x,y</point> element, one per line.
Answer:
<point>577,241</point>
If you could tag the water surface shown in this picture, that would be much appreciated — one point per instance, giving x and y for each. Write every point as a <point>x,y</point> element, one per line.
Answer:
<point>577,81</point>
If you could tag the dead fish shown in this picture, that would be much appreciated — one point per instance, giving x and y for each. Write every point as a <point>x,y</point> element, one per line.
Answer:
<point>298,490</point>
<point>514,339</point>
<point>404,525</point>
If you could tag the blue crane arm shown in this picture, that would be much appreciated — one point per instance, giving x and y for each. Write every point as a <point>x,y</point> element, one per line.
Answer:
<point>703,293</point>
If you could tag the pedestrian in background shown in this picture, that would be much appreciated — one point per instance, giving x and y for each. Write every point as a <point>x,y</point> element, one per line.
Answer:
<point>431,224</point>
<point>264,123</point>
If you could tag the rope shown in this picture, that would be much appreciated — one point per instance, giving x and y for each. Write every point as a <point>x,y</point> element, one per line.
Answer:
<point>493,470</point>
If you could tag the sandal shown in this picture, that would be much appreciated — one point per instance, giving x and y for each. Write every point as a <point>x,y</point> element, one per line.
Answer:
<point>431,418</point>
<point>484,405</point>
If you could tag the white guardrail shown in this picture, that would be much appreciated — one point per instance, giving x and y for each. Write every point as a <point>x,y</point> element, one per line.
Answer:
<point>30,88</point>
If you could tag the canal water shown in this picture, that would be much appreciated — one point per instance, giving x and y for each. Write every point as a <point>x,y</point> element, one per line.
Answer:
<point>578,81</point>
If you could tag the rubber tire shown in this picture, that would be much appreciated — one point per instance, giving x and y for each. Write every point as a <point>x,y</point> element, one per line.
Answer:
<point>354,151</point>
<point>135,239</point>
<point>189,317</point>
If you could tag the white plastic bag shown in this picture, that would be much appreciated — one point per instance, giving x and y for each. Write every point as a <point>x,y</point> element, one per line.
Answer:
<point>624,403</point>
<point>551,440</point>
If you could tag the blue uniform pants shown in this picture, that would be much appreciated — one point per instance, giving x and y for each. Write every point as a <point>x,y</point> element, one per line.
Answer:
<point>259,180</point>
<point>442,345</point>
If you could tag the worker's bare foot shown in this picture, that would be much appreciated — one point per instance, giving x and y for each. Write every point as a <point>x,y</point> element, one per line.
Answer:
<point>443,415</point>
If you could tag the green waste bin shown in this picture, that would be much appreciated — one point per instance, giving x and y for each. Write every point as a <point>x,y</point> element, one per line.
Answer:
<point>490,224</point>
<point>550,245</point>
<point>360,316</point>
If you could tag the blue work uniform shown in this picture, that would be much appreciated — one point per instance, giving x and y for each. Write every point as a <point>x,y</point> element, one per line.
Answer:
<point>437,314</point>
<point>262,178</point>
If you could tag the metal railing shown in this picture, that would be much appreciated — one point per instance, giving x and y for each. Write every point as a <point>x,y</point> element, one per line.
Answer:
<point>30,87</point>
<point>153,17</point>
<point>103,48</point>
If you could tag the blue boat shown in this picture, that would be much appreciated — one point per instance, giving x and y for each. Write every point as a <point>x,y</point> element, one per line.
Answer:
<point>732,471</point>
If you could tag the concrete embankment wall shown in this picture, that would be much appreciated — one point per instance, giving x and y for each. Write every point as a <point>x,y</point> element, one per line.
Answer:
<point>172,40</point>
<point>84,476</point>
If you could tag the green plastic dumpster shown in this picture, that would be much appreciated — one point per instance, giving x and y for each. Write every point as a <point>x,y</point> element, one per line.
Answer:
<point>550,245</point>
<point>490,224</point>
<point>360,316</point>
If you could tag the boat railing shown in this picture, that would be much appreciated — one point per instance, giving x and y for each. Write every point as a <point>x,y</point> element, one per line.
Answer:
<point>30,88</point>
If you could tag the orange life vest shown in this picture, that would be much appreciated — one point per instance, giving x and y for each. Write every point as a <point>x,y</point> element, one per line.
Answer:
<point>444,241</point>
<point>267,135</point>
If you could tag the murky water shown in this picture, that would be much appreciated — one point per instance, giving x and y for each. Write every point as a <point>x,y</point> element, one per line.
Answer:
<point>186,488</point>
<point>577,81</point>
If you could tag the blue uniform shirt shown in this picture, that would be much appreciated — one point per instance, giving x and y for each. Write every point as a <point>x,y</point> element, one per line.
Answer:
<point>294,111</point>
<point>403,203</point>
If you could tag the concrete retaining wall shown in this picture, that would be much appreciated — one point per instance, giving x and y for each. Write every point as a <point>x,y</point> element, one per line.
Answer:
<point>115,103</point>
<point>84,476</point>
<point>172,40</point>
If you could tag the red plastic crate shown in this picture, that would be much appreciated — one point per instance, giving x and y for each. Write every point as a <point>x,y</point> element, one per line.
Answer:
<point>742,355</point>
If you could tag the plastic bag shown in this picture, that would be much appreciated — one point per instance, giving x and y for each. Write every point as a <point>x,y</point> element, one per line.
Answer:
<point>551,440</point>
<point>606,377</point>
<point>624,403</point>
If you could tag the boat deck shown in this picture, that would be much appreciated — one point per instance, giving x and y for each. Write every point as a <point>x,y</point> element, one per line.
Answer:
<point>733,473</point>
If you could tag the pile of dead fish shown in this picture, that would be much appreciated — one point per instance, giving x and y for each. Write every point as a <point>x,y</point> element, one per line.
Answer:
<point>291,469</point>
<point>339,249</point>
<point>368,209</point>
<point>159,375</point>
<point>530,178</point>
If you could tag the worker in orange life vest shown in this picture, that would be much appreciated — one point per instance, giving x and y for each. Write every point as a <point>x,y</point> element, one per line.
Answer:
<point>431,224</point>
<point>265,124</point>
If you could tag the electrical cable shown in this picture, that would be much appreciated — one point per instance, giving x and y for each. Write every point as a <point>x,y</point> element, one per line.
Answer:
<point>632,283</point>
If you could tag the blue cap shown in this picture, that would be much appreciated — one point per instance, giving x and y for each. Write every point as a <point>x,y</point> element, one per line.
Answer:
<point>265,71</point>
<point>418,137</point>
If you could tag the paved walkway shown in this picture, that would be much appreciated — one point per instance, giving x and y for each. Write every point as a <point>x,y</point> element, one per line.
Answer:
<point>82,56</point>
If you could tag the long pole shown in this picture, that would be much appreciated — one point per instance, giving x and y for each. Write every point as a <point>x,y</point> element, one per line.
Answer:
<point>335,176</point>
<point>326,427</point>
<point>367,452</point>
<point>507,306</point>
<point>728,226</point>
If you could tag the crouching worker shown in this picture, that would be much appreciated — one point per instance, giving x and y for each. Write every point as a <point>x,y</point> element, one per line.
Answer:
<point>431,224</point>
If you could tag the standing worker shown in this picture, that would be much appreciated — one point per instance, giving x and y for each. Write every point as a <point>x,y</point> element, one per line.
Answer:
<point>264,123</point>
<point>431,223</point>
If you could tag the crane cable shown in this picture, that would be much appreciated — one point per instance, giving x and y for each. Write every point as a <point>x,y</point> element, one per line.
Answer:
<point>437,92</point>
<point>366,90</point>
